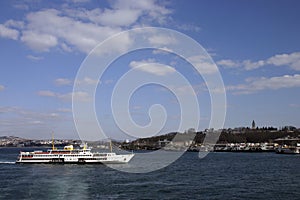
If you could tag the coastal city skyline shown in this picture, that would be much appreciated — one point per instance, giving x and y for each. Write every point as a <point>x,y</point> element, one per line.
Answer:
<point>255,45</point>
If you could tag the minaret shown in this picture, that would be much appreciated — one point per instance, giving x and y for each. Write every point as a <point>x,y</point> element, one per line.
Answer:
<point>253,124</point>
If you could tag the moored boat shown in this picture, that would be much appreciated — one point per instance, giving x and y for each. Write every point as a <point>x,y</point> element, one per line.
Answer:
<point>288,145</point>
<point>288,149</point>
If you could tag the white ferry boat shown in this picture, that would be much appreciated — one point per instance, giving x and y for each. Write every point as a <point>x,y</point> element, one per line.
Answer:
<point>70,155</point>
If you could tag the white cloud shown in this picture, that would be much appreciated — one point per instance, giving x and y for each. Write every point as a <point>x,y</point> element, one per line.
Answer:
<point>272,83</point>
<point>123,13</point>
<point>46,93</point>
<point>162,40</point>
<point>62,81</point>
<point>109,81</point>
<point>2,88</point>
<point>120,17</point>
<point>137,107</point>
<point>162,51</point>
<point>189,27</point>
<point>38,41</point>
<point>291,60</point>
<point>29,115</point>
<point>64,110</point>
<point>79,95</point>
<point>36,122</point>
<point>150,66</point>
<point>204,65</point>
<point>184,90</point>
<point>87,81</point>
<point>33,123</point>
<point>21,6</point>
<point>51,26</point>
<point>14,24</point>
<point>249,65</point>
<point>65,47</point>
<point>35,58</point>
<point>119,44</point>
<point>7,32</point>
<point>80,29</point>
<point>227,63</point>
<point>149,9</point>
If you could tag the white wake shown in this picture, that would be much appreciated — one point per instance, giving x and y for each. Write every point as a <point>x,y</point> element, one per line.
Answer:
<point>7,162</point>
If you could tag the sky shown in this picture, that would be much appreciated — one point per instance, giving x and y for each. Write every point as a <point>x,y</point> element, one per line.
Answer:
<point>43,44</point>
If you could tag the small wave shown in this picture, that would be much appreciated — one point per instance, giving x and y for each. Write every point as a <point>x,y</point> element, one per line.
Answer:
<point>7,162</point>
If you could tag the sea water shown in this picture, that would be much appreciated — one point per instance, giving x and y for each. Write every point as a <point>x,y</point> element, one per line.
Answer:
<point>216,176</point>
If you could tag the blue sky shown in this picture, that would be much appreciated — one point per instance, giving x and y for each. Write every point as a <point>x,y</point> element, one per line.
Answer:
<point>255,45</point>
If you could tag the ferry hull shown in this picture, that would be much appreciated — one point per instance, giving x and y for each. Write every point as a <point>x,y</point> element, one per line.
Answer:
<point>295,150</point>
<point>68,155</point>
<point>118,159</point>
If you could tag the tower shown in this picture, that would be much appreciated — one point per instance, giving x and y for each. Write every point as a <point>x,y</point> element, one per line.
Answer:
<point>253,124</point>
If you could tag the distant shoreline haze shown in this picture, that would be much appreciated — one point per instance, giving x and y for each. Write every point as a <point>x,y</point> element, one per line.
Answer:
<point>231,135</point>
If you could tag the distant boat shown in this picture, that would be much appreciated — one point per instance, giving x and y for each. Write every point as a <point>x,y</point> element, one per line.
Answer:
<point>70,155</point>
<point>288,149</point>
<point>288,145</point>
